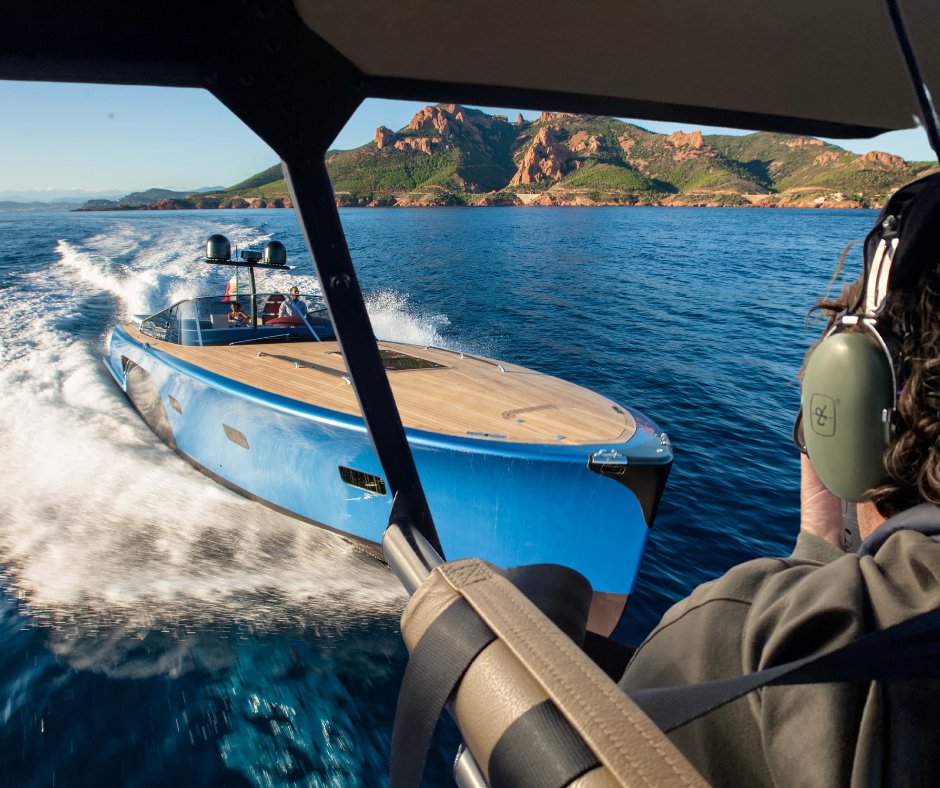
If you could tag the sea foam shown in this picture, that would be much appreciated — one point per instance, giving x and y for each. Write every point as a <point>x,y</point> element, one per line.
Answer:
<point>99,521</point>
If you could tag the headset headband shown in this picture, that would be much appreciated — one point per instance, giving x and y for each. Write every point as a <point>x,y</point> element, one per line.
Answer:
<point>910,213</point>
<point>876,278</point>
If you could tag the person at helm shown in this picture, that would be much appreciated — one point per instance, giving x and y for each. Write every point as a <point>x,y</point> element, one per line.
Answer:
<point>772,611</point>
<point>293,306</point>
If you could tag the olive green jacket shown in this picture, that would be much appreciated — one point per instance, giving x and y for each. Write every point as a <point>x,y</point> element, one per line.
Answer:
<point>774,610</point>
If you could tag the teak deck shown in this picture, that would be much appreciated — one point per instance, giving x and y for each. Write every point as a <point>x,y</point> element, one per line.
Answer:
<point>468,397</point>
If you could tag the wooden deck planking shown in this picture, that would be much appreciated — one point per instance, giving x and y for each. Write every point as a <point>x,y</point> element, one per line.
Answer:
<point>470,395</point>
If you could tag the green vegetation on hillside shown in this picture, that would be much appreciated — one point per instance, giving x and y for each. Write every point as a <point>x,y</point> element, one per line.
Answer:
<point>609,176</point>
<point>272,175</point>
<point>370,172</point>
<point>452,155</point>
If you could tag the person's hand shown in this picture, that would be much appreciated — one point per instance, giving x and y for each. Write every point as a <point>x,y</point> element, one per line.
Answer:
<point>820,510</point>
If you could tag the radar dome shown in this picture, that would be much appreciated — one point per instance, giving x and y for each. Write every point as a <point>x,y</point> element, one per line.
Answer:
<point>218,248</point>
<point>275,253</point>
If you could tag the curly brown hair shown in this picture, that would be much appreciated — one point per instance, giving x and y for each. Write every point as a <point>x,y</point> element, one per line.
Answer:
<point>910,320</point>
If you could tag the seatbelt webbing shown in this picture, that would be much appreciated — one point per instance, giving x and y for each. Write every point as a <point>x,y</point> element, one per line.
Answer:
<point>440,660</point>
<point>630,748</point>
<point>540,749</point>
<point>436,666</point>
<point>905,651</point>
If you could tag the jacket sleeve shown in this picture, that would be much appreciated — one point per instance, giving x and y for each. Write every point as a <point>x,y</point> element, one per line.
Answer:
<point>769,612</point>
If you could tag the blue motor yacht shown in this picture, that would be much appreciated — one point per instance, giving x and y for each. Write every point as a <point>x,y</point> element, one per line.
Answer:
<point>518,467</point>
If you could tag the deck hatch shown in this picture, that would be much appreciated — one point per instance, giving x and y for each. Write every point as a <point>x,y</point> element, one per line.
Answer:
<point>364,481</point>
<point>395,361</point>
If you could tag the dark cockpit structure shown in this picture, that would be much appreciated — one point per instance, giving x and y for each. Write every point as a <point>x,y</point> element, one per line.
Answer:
<point>295,72</point>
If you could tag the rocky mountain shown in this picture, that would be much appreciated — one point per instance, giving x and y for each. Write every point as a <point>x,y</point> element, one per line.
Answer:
<point>454,155</point>
<point>144,200</point>
<point>449,155</point>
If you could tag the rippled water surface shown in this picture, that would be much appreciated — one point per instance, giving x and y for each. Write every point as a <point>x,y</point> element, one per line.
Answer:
<point>157,629</point>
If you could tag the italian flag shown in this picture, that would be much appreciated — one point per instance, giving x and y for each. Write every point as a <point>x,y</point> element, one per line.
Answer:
<point>231,289</point>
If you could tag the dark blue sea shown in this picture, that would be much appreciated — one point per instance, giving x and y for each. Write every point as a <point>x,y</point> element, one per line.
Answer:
<point>156,629</point>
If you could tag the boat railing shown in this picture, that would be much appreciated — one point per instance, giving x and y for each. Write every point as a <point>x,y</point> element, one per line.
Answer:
<point>205,321</point>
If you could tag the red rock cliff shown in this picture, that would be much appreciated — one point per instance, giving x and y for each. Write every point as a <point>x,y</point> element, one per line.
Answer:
<point>545,159</point>
<point>886,159</point>
<point>383,137</point>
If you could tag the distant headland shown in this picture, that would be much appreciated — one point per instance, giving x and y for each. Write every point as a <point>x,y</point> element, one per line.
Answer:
<point>449,155</point>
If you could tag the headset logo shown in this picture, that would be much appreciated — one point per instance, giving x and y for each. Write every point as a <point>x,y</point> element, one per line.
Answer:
<point>822,417</point>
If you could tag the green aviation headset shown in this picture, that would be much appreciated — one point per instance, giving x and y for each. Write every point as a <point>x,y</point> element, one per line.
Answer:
<point>849,392</point>
<point>850,387</point>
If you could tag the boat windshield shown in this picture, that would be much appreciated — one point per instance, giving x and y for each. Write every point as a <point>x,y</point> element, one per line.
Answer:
<point>227,320</point>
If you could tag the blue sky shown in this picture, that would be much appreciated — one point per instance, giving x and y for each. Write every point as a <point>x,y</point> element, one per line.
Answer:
<point>56,137</point>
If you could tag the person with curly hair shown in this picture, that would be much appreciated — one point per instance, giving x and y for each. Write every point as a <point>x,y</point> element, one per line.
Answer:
<point>771,611</point>
<point>236,318</point>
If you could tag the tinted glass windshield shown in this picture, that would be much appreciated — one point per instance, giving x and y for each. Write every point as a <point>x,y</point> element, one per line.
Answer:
<point>223,320</point>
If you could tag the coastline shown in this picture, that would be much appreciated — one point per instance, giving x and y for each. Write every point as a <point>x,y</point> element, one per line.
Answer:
<point>820,204</point>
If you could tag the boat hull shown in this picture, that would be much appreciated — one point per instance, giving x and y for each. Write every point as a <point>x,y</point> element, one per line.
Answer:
<point>509,503</point>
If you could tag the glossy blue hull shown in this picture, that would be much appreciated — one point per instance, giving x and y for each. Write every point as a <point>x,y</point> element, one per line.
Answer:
<point>507,503</point>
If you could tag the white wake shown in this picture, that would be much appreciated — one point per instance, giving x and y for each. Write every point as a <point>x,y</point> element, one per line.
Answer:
<point>99,522</point>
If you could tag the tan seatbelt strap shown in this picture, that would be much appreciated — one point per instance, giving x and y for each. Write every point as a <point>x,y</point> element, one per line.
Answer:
<point>634,750</point>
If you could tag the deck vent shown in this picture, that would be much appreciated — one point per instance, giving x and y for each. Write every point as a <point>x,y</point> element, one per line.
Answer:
<point>235,436</point>
<point>364,481</point>
<point>612,470</point>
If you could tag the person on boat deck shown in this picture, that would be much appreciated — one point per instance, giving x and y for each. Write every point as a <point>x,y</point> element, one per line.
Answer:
<point>237,318</point>
<point>293,306</point>
<point>771,611</point>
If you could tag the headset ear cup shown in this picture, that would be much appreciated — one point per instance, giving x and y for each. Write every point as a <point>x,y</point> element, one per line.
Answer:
<point>848,386</point>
